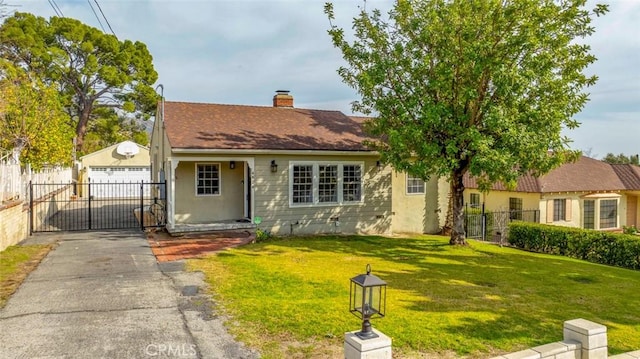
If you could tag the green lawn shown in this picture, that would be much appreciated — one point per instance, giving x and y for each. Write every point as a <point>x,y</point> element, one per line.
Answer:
<point>16,262</point>
<point>290,298</point>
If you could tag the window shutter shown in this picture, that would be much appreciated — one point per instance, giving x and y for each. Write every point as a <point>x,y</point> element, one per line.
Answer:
<point>549,210</point>
<point>567,211</point>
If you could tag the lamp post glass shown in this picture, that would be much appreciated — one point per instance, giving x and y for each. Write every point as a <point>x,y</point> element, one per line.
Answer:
<point>368,300</point>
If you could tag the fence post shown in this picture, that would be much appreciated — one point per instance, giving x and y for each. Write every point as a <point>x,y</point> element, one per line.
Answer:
<point>483,218</point>
<point>142,206</point>
<point>89,200</point>
<point>30,208</point>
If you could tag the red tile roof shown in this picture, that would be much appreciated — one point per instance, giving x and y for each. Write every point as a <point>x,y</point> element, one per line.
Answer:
<point>586,174</point>
<point>214,126</point>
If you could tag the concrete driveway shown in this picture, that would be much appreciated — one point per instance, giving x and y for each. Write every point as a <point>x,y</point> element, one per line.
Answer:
<point>103,295</point>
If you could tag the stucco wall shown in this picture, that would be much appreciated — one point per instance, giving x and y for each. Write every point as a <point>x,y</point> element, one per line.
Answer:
<point>227,205</point>
<point>577,208</point>
<point>499,200</point>
<point>14,224</point>
<point>417,213</point>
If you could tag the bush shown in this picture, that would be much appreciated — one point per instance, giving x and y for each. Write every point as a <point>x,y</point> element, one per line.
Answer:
<point>262,235</point>
<point>621,250</point>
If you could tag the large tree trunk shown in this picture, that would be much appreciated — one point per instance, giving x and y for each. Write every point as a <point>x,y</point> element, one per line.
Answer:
<point>457,207</point>
<point>81,128</point>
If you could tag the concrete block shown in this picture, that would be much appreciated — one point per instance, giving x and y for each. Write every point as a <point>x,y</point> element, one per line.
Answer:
<point>598,353</point>
<point>374,348</point>
<point>591,335</point>
<point>572,344</point>
<point>570,354</point>
<point>523,354</point>
<point>551,349</point>
<point>585,327</point>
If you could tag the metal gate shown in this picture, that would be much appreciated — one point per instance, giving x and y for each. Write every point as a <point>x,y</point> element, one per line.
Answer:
<point>82,206</point>
<point>494,225</point>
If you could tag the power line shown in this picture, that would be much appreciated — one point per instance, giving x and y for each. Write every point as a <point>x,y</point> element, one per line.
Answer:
<point>96,15</point>
<point>56,8</point>
<point>105,18</point>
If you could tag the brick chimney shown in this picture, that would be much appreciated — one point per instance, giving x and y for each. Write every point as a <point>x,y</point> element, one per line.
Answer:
<point>283,99</point>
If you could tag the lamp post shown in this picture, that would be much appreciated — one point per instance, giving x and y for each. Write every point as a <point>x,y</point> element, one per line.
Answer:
<point>368,300</point>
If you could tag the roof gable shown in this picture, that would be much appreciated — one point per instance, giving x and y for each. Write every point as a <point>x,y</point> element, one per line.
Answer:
<point>111,148</point>
<point>215,126</point>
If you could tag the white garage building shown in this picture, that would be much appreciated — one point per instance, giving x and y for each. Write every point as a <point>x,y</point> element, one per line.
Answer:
<point>113,167</point>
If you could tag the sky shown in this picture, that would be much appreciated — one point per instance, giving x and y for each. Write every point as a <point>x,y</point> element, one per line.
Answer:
<point>242,51</point>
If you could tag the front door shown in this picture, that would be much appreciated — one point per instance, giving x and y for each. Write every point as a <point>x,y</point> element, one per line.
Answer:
<point>247,191</point>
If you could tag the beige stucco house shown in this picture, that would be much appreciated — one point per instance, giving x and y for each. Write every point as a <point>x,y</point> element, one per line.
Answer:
<point>283,169</point>
<point>125,162</point>
<point>587,194</point>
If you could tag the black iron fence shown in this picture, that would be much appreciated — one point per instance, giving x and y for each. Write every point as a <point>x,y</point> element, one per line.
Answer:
<point>96,206</point>
<point>494,225</point>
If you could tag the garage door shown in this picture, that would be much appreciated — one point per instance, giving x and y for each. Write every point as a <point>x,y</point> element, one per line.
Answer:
<point>132,176</point>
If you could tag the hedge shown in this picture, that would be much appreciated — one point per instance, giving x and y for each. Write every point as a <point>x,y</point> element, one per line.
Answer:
<point>621,250</point>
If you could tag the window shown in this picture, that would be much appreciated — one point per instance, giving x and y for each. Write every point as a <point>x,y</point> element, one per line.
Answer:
<point>415,185</point>
<point>352,183</point>
<point>559,209</point>
<point>608,213</point>
<point>600,212</point>
<point>515,208</point>
<point>474,198</point>
<point>302,185</point>
<point>208,179</point>
<point>589,214</point>
<point>325,183</point>
<point>328,184</point>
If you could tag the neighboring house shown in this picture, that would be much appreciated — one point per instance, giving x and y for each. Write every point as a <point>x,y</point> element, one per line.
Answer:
<point>283,169</point>
<point>587,194</point>
<point>125,162</point>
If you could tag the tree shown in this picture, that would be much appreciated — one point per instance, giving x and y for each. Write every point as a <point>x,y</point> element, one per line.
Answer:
<point>91,69</point>
<point>109,129</point>
<point>621,159</point>
<point>32,121</point>
<point>478,86</point>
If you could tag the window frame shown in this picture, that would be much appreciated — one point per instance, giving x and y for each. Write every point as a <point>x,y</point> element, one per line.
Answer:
<point>197,178</point>
<point>471,202</point>
<point>515,208</point>
<point>559,212</point>
<point>340,185</point>
<point>592,218</point>
<point>615,210</point>
<point>410,187</point>
<point>591,212</point>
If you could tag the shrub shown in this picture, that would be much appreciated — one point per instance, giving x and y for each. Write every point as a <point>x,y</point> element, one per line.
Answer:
<point>629,230</point>
<point>622,250</point>
<point>262,235</point>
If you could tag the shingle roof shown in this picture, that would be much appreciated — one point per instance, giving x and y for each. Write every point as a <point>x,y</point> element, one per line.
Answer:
<point>629,175</point>
<point>215,126</point>
<point>526,183</point>
<point>586,174</point>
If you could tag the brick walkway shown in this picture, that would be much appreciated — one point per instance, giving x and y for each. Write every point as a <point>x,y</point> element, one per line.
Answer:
<point>167,248</point>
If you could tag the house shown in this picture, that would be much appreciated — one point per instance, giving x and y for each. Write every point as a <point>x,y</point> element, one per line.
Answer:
<point>587,194</point>
<point>125,162</point>
<point>283,169</point>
